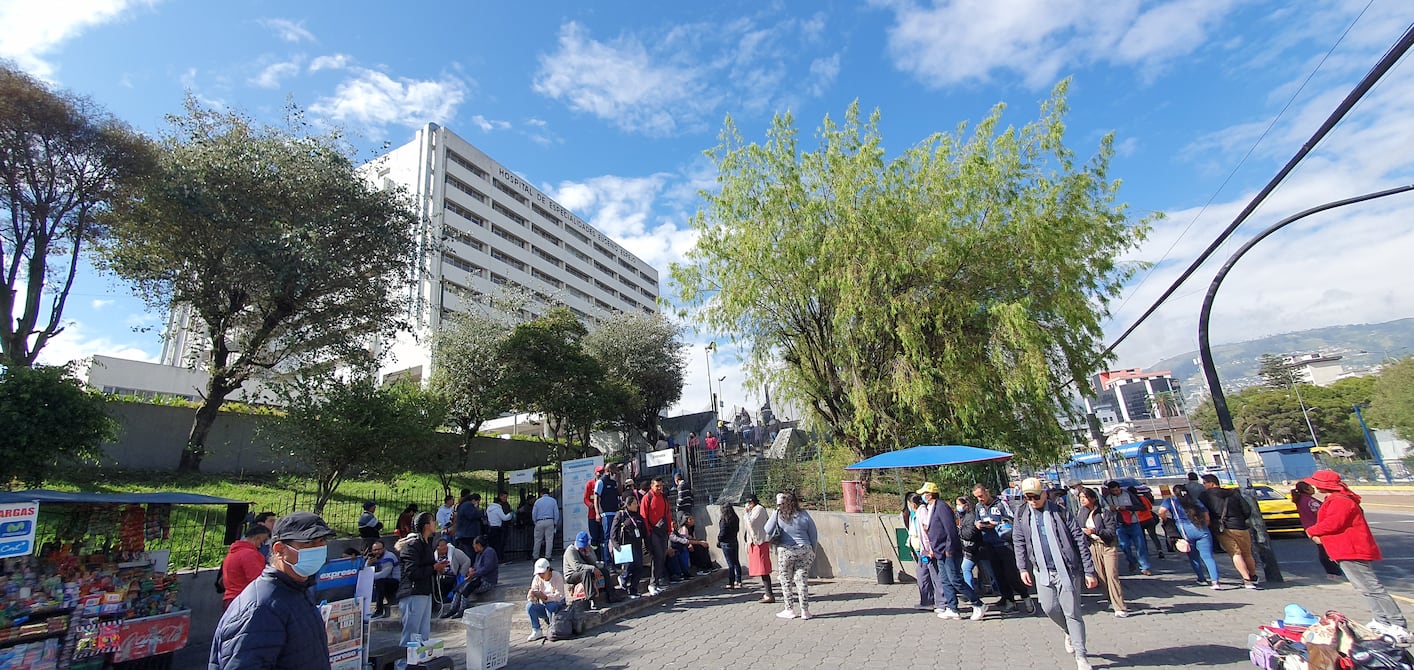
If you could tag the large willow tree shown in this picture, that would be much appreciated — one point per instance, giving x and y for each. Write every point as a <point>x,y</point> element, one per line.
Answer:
<point>945,294</point>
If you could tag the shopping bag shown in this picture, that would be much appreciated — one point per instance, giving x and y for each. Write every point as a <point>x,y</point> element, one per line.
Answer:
<point>623,554</point>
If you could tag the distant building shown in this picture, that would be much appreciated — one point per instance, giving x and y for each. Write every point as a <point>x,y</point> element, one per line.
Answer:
<point>1315,368</point>
<point>1132,394</point>
<point>121,376</point>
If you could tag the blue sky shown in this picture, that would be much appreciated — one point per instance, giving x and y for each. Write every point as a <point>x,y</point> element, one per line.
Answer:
<point>609,109</point>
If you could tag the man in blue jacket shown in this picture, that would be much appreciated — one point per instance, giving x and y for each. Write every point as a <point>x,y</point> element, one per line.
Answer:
<point>274,624</point>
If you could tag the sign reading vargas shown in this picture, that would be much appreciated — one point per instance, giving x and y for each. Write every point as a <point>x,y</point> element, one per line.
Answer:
<point>17,523</point>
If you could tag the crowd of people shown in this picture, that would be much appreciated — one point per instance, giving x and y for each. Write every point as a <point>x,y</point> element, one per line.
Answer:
<point>1036,549</point>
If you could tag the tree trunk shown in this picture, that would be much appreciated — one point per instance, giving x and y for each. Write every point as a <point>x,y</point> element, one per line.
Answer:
<point>206,414</point>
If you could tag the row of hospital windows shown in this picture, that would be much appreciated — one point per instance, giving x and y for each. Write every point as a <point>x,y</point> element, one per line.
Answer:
<point>521,243</point>
<point>550,218</point>
<point>473,269</point>
<point>472,295</point>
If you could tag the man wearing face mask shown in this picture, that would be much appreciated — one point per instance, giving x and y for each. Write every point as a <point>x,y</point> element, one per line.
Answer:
<point>274,623</point>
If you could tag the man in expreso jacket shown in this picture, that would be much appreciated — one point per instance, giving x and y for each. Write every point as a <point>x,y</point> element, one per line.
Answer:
<point>274,624</point>
<point>1342,530</point>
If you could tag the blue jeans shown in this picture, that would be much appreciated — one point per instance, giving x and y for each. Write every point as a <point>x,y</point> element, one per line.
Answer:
<point>729,552</point>
<point>538,611</point>
<point>680,562</point>
<point>417,617</point>
<point>946,574</point>
<point>606,521</point>
<point>1200,551</point>
<point>969,564</point>
<point>1131,541</point>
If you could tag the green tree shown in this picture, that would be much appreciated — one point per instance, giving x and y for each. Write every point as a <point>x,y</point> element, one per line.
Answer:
<point>949,293</point>
<point>548,372</point>
<point>62,159</point>
<point>49,420</point>
<point>643,353</point>
<point>467,371</point>
<point>1264,415</point>
<point>1276,373</point>
<point>342,428</point>
<point>1392,399</point>
<point>283,252</point>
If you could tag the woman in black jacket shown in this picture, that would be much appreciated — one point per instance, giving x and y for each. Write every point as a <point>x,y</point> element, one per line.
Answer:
<point>1100,525</point>
<point>728,529</point>
<point>628,531</point>
<point>420,570</point>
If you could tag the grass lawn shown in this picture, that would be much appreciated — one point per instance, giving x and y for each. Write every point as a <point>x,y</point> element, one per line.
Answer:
<point>196,536</point>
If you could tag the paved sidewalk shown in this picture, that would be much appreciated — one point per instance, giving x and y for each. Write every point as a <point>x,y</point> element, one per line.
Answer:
<point>862,624</point>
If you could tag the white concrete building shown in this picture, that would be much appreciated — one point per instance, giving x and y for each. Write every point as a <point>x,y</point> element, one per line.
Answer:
<point>483,228</point>
<point>1316,369</point>
<point>122,376</point>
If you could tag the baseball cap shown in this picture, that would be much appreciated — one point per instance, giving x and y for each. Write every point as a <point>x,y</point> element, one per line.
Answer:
<point>542,565</point>
<point>1032,485</point>
<point>928,487</point>
<point>598,469</point>
<point>581,540</point>
<point>300,527</point>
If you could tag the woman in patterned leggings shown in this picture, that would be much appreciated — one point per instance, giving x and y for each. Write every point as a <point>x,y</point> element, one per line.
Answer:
<point>795,552</point>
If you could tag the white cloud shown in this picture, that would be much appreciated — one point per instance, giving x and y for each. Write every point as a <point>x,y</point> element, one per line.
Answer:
<point>679,79</point>
<point>99,303</point>
<point>289,31</point>
<point>33,31</point>
<point>271,75</point>
<point>332,62</point>
<point>75,343</point>
<point>375,99</point>
<point>637,212</point>
<point>488,125</point>
<point>1338,267</point>
<point>958,41</point>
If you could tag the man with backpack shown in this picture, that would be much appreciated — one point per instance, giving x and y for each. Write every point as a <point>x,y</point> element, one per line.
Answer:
<point>1228,512</point>
<point>1127,505</point>
<point>993,519</point>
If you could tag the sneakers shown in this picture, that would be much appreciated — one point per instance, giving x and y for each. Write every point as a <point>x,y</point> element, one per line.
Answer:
<point>949,614</point>
<point>535,635</point>
<point>1069,648</point>
<point>1250,586</point>
<point>1121,614</point>
<point>979,611</point>
<point>634,596</point>
<point>785,614</point>
<point>653,591</point>
<point>1217,586</point>
<point>1147,573</point>
<point>938,611</point>
<point>1030,605</point>
<point>806,615</point>
<point>1008,606</point>
<point>1082,663</point>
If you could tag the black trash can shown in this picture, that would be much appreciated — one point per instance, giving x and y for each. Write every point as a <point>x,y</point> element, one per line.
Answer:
<point>884,571</point>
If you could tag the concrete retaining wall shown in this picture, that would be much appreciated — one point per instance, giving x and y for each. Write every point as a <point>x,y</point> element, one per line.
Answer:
<point>849,543</point>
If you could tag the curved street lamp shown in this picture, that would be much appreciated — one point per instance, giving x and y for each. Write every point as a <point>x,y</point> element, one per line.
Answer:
<point>1205,352</point>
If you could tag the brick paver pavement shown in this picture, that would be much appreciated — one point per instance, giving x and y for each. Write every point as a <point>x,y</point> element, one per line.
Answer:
<point>862,624</point>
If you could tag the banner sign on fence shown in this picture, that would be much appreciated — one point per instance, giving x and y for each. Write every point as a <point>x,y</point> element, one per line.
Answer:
<point>525,476</point>
<point>660,457</point>
<point>17,522</point>
<point>576,475</point>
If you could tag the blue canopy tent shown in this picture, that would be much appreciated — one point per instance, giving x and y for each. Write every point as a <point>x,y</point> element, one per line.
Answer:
<point>930,456</point>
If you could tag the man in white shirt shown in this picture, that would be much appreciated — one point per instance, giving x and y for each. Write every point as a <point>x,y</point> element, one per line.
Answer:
<point>444,515</point>
<point>499,520</point>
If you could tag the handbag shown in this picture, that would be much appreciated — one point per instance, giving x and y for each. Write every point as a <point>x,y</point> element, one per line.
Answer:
<point>773,535</point>
<point>623,554</point>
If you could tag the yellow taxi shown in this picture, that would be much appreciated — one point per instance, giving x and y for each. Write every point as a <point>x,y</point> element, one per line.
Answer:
<point>1277,510</point>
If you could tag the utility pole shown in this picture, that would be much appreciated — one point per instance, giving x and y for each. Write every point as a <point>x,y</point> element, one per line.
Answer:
<point>1373,445</point>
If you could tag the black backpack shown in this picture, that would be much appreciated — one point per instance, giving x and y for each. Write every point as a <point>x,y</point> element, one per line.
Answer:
<point>562,624</point>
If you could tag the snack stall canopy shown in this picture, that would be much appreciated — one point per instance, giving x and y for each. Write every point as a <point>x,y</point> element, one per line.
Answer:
<point>930,456</point>
<point>90,588</point>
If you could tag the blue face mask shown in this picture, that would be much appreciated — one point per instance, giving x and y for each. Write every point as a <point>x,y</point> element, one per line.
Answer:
<point>310,560</point>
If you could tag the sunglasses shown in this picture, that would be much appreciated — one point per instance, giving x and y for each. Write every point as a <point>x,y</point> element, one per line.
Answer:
<point>1032,496</point>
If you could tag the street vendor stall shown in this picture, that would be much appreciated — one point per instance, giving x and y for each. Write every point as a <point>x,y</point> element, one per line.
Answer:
<point>88,581</point>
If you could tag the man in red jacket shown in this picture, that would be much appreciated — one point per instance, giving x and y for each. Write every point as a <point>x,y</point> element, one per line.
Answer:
<point>1341,529</point>
<point>658,518</point>
<point>243,563</point>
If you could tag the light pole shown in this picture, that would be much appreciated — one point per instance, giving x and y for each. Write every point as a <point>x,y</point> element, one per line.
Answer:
<point>1306,415</point>
<point>712,397</point>
<point>1205,351</point>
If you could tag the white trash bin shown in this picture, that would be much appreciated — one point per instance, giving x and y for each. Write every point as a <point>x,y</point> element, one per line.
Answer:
<point>488,636</point>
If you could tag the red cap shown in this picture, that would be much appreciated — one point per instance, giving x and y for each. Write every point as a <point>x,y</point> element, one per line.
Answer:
<point>598,469</point>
